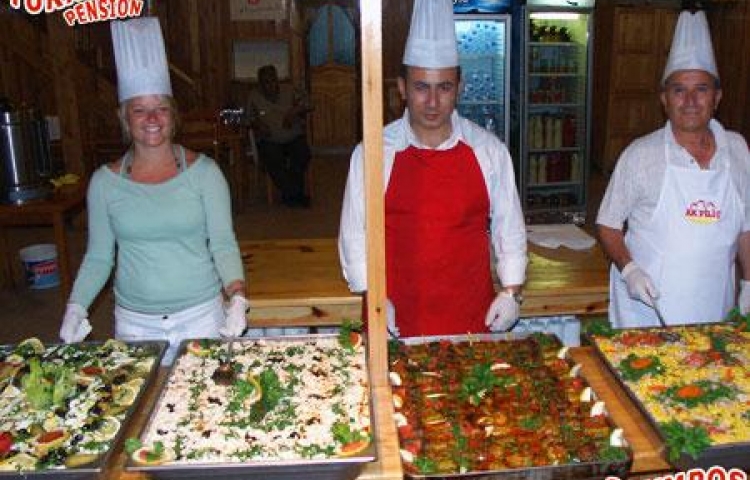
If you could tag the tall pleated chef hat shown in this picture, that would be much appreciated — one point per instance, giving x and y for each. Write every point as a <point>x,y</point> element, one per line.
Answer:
<point>432,35</point>
<point>691,46</point>
<point>141,59</point>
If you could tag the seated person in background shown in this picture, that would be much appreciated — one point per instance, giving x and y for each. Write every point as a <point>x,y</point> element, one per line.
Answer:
<point>277,114</point>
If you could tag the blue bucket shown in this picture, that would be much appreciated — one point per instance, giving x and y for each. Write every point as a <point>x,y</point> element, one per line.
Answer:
<point>40,264</point>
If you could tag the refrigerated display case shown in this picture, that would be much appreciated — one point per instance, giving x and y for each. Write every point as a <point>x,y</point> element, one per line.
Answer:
<point>484,56</point>
<point>551,120</point>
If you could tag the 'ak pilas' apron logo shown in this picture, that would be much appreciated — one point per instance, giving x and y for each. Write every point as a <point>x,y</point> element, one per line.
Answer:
<point>702,211</point>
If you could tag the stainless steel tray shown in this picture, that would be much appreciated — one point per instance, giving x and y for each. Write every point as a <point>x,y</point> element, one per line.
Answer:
<point>572,471</point>
<point>340,468</point>
<point>729,455</point>
<point>96,469</point>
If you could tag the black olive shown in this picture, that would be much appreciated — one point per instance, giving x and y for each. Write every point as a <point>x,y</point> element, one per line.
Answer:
<point>77,438</point>
<point>206,434</point>
<point>161,431</point>
<point>171,407</point>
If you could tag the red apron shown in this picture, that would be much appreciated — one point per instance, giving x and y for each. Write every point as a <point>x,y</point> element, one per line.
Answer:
<point>437,242</point>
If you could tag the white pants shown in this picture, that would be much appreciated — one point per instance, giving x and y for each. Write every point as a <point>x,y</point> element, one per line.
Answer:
<point>200,321</point>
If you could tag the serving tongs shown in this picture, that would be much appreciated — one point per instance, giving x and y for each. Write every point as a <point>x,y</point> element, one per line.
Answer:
<point>666,334</point>
<point>224,374</point>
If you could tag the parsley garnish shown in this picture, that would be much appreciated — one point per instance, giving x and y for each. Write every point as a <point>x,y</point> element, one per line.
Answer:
<point>683,439</point>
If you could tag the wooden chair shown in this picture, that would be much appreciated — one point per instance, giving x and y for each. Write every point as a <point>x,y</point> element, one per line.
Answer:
<point>203,131</point>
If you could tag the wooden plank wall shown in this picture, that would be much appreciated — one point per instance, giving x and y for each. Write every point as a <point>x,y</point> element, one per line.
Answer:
<point>730,30</point>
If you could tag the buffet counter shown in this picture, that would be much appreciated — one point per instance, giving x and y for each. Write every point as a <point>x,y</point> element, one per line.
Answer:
<point>299,283</point>
<point>647,448</point>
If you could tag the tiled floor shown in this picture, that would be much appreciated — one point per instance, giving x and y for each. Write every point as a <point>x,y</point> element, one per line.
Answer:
<point>25,312</point>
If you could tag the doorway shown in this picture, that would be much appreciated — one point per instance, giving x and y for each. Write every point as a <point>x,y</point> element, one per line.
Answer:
<point>333,72</point>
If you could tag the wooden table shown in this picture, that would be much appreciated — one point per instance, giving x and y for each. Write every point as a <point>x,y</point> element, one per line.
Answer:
<point>646,445</point>
<point>299,283</point>
<point>52,211</point>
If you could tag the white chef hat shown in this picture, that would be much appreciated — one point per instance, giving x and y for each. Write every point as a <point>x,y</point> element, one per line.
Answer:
<point>691,46</point>
<point>432,35</point>
<point>141,60</point>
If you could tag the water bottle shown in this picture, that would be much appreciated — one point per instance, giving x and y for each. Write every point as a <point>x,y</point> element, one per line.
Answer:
<point>489,120</point>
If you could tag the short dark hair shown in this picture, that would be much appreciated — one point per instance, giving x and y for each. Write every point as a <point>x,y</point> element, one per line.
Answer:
<point>266,69</point>
<point>404,71</point>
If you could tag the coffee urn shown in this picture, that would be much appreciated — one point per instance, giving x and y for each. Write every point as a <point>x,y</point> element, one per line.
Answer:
<point>25,155</point>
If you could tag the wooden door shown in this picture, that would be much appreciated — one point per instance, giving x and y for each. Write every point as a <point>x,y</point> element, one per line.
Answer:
<point>334,122</point>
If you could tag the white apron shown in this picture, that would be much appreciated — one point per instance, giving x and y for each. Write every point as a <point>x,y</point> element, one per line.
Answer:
<point>688,249</point>
<point>200,321</point>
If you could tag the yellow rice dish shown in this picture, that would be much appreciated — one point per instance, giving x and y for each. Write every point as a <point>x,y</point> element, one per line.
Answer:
<point>701,378</point>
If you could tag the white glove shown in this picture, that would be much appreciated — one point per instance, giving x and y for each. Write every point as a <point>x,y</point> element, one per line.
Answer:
<point>640,285</point>
<point>236,321</point>
<point>503,313</point>
<point>390,317</point>
<point>75,324</point>
<point>743,302</point>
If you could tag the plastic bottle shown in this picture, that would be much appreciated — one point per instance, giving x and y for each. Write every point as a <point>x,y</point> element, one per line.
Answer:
<point>542,169</point>
<point>575,167</point>
<point>557,133</point>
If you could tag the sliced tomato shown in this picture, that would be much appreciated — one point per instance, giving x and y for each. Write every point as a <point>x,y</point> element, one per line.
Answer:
<point>92,371</point>
<point>6,442</point>
<point>641,363</point>
<point>49,437</point>
<point>689,391</point>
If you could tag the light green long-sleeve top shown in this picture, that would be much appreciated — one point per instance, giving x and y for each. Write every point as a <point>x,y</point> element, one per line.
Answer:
<point>174,240</point>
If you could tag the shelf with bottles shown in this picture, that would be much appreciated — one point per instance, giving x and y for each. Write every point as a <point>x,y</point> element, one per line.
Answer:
<point>555,168</point>
<point>554,90</point>
<point>563,58</point>
<point>552,131</point>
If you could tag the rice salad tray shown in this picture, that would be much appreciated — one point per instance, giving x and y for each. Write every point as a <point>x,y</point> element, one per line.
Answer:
<point>500,407</point>
<point>692,383</point>
<point>298,406</point>
<point>64,408</point>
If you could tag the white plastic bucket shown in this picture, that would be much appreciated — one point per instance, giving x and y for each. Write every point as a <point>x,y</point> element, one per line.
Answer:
<point>40,264</point>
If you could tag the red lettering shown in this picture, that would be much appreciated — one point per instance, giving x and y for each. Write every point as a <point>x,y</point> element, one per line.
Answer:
<point>696,474</point>
<point>136,7</point>
<point>53,6</point>
<point>716,473</point>
<point>15,4</point>
<point>737,474</point>
<point>70,17</point>
<point>34,6</point>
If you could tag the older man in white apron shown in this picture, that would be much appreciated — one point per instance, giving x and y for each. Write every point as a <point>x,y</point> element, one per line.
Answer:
<point>684,192</point>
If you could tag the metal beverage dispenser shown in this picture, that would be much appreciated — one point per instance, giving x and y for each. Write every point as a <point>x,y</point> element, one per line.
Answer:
<point>25,155</point>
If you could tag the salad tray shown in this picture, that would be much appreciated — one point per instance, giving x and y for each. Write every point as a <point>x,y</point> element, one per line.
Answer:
<point>298,407</point>
<point>64,408</point>
<point>500,407</point>
<point>689,382</point>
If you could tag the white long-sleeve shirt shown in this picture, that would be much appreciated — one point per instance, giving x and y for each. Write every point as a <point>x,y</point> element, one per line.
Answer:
<point>507,228</point>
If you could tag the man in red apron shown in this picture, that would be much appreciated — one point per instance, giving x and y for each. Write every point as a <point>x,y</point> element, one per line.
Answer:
<point>450,197</point>
<point>684,191</point>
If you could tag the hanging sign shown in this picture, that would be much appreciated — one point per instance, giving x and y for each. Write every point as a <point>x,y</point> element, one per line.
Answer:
<point>257,9</point>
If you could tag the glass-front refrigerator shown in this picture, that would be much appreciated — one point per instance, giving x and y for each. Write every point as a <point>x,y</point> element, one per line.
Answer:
<point>551,113</point>
<point>483,34</point>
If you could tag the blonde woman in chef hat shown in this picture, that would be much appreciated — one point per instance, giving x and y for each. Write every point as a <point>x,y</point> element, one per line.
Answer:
<point>161,214</point>
<point>684,192</point>
<point>450,198</point>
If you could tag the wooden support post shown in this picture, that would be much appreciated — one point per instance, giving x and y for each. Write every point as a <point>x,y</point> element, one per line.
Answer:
<point>372,101</point>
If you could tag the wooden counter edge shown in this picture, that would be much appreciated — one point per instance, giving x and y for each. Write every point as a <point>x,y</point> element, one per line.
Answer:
<point>645,442</point>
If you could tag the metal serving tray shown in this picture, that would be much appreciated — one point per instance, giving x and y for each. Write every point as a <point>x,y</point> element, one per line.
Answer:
<point>572,471</point>
<point>96,469</point>
<point>729,455</point>
<point>340,468</point>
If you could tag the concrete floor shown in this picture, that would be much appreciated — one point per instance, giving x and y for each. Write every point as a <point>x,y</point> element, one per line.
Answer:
<point>25,312</point>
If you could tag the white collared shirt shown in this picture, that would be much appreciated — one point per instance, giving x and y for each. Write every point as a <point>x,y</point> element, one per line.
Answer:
<point>634,189</point>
